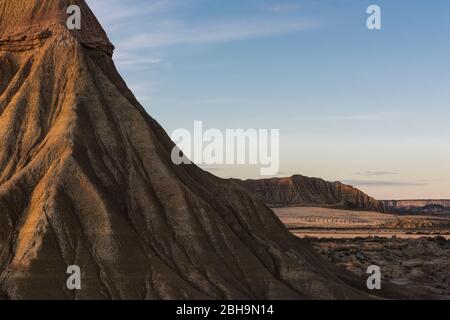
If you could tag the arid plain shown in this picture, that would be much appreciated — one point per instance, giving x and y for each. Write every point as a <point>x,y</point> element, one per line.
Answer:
<point>412,250</point>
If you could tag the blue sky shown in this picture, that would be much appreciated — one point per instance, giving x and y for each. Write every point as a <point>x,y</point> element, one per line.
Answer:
<point>370,108</point>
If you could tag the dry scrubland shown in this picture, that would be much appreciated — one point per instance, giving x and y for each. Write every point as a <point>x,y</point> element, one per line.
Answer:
<point>420,263</point>
<point>412,251</point>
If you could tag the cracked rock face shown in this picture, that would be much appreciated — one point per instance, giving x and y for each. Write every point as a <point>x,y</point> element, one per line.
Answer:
<point>86,179</point>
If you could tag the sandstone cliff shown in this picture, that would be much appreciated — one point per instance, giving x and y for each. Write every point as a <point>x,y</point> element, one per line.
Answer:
<point>304,191</point>
<point>86,179</point>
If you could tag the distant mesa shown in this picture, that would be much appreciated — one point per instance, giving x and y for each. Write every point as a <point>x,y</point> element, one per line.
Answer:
<point>86,179</point>
<point>305,191</point>
<point>419,206</point>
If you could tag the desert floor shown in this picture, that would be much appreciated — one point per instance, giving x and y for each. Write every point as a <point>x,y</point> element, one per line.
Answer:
<point>334,223</point>
<point>412,251</point>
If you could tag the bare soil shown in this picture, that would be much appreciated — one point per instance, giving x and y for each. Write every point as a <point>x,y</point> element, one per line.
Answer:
<point>420,263</point>
<point>413,251</point>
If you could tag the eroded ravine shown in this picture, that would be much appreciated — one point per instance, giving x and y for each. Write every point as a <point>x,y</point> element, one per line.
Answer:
<point>86,179</point>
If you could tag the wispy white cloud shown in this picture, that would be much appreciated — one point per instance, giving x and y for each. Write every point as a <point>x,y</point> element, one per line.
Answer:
<point>144,91</point>
<point>130,59</point>
<point>281,7</point>
<point>147,60</point>
<point>142,29</point>
<point>212,102</point>
<point>178,32</point>
<point>366,117</point>
<point>376,173</point>
<point>164,23</point>
<point>378,183</point>
<point>116,12</point>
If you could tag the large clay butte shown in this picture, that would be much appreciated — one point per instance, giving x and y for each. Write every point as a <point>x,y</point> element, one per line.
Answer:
<point>86,179</point>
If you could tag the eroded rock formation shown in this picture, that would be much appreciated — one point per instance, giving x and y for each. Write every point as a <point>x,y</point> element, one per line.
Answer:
<point>419,206</point>
<point>86,179</point>
<point>304,191</point>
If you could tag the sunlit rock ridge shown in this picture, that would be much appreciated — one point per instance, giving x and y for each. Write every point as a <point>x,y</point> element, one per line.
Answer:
<point>86,179</point>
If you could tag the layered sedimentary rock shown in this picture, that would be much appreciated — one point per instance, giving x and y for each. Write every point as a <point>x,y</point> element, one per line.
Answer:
<point>419,206</point>
<point>26,24</point>
<point>86,179</point>
<point>304,191</point>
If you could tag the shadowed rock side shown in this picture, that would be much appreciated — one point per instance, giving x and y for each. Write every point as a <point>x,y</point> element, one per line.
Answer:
<point>86,179</point>
<point>304,191</point>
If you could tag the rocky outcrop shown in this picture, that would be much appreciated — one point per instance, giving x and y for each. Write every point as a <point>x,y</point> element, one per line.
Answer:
<point>86,179</point>
<point>419,206</point>
<point>26,24</point>
<point>304,191</point>
<point>415,263</point>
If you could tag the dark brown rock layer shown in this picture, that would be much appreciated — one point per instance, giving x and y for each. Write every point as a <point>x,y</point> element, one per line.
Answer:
<point>419,206</point>
<point>86,178</point>
<point>304,191</point>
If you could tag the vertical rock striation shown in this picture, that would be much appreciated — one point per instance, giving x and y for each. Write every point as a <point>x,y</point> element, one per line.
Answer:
<point>86,179</point>
<point>304,191</point>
